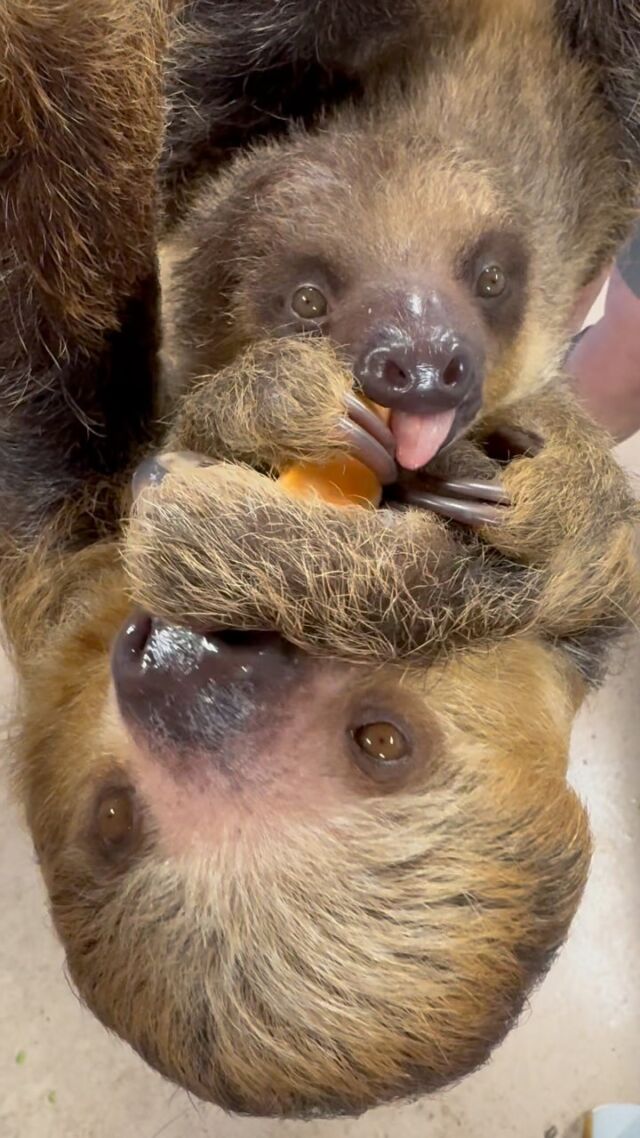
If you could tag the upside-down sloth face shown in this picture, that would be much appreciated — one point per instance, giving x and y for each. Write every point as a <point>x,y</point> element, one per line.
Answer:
<point>299,886</point>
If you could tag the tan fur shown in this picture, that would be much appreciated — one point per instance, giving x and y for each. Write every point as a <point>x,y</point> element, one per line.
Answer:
<point>390,192</point>
<point>506,132</point>
<point>412,949</point>
<point>327,954</point>
<point>368,585</point>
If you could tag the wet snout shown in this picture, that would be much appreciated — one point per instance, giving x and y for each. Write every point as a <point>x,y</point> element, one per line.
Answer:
<point>420,353</point>
<point>190,691</point>
<point>420,374</point>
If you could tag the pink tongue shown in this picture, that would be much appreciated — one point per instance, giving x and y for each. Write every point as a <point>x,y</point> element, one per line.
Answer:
<point>419,437</point>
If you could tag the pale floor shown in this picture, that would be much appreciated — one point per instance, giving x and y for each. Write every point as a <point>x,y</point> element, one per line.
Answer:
<point>61,1076</point>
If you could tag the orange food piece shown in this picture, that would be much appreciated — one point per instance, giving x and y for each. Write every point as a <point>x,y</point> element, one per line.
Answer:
<point>343,481</point>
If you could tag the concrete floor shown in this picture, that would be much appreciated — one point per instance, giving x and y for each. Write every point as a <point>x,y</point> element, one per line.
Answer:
<point>61,1076</point>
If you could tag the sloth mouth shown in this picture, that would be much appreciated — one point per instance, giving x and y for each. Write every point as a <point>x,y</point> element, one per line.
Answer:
<point>419,438</point>
<point>409,443</point>
<point>400,455</point>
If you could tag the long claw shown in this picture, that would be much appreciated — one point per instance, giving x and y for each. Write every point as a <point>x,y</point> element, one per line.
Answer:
<point>470,509</point>
<point>477,490</point>
<point>369,450</point>
<point>372,424</point>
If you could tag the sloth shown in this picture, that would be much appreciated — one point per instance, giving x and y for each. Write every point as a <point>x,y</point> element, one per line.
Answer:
<point>296,774</point>
<point>414,249</point>
<point>245,68</point>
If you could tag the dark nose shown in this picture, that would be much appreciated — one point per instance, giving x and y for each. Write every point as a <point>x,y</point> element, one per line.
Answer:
<point>435,375</point>
<point>193,689</point>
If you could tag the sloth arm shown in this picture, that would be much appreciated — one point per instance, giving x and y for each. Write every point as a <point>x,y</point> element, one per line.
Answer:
<point>215,544</point>
<point>81,120</point>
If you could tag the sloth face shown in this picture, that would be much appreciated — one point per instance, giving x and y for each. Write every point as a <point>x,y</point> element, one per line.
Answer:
<point>438,238</point>
<point>298,886</point>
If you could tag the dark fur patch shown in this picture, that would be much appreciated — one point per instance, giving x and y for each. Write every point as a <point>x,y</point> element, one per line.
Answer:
<point>504,314</point>
<point>86,419</point>
<point>606,33</point>
<point>80,132</point>
<point>242,71</point>
<point>590,651</point>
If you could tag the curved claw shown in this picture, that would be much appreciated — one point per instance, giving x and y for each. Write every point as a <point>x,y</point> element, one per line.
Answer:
<point>476,490</point>
<point>369,450</point>
<point>473,503</point>
<point>151,470</point>
<point>372,424</point>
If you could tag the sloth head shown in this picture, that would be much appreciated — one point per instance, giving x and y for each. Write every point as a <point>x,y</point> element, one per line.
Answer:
<point>438,238</point>
<point>297,886</point>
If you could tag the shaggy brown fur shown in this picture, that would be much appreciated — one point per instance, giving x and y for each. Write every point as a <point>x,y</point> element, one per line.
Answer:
<point>246,68</point>
<point>400,587</point>
<point>79,133</point>
<point>404,190</point>
<point>281,934</point>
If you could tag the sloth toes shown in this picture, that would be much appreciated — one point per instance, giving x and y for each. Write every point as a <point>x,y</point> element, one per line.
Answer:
<point>372,423</point>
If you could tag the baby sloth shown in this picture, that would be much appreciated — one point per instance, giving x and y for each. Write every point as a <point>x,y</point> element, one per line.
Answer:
<point>437,236</point>
<point>303,815</point>
<point>415,248</point>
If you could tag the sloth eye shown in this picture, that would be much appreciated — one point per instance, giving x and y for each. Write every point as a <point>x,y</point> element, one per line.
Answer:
<point>309,303</point>
<point>381,750</point>
<point>491,282</point>
<point>116,820</point>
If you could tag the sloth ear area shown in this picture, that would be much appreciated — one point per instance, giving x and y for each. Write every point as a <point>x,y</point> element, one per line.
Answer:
<point>606,35</point>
